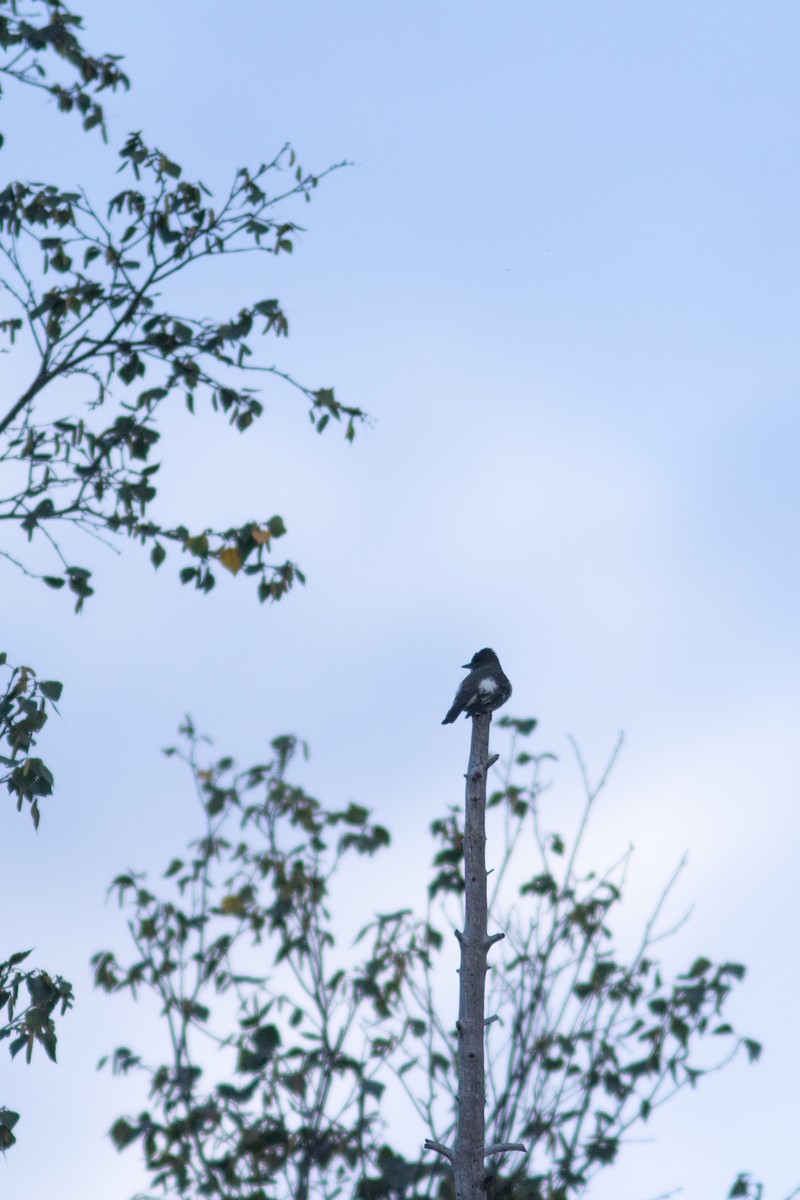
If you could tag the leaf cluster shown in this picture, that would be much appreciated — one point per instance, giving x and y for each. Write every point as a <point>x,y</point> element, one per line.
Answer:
<point>239,949</point>
<point>583,1044</point>
<point>28,1000</point>
<point>25,705</point>
<point>104,320</point>
<point>49,30</point>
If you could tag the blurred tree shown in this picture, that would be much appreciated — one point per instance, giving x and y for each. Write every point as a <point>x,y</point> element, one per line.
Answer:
<point>296,1067</point>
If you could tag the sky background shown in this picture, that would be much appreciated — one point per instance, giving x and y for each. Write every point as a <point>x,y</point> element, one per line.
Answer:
<point>562,275</point>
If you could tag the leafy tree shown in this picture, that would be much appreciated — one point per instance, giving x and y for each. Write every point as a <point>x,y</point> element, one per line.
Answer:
<point>289,1054</point>
<point>88,295</point>
<point>86,282</point>
<point>106,322</point>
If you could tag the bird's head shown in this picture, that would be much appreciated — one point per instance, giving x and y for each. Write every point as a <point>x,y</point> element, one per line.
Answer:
<point>482,658</point>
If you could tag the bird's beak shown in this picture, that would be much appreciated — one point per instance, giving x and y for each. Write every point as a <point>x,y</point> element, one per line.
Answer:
<point>466,666</point>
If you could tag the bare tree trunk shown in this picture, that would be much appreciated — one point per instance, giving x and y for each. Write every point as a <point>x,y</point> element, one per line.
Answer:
<point>469,1152</point>
<point>469,1167</point>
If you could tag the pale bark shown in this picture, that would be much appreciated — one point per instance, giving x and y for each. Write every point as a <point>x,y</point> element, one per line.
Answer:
<point>470,1148</point>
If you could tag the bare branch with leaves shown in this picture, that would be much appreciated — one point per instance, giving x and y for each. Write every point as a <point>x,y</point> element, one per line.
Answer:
<point>239,957</point>
<point>321,1046</point>
<point>106,322</point>
<point>48,31</point>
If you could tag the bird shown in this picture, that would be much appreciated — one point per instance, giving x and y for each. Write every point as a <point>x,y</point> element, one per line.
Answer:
<point>484,689</point>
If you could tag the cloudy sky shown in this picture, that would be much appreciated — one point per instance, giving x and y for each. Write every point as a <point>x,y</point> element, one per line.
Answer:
<point>561,274</point>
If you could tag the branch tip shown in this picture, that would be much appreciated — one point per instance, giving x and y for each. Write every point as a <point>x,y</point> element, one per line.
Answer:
<point>439,1148</point>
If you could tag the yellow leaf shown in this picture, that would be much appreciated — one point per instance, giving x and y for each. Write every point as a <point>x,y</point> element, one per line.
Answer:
<point>21,685</point>
<point>230,559</point>
<point>261,537</point>
<point>232,906</point>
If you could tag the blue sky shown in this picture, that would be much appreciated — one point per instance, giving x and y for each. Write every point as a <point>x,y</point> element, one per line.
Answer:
<point>562,276</point>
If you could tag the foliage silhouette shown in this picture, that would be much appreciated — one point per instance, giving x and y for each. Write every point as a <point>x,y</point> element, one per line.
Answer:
<point>85,285</point>
<point>85,281</point>
<point>291,1057</point>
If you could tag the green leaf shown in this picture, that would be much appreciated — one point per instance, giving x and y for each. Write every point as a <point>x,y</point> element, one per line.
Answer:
<point>197,545</point>
<point>182,332</point>
<point>61,261</point>
<point>131,369</point>
<point>123,1133</point>
<point>157,555</point>
<point>753,1049</point>
<point>679,1030</point>
<point>522,727</point>
<point>169,168</point>
<point>540,885</point>
<point>48,1039</point>
<point>147,397</point>
<point>356,815</point>
<point>17,1045</point>
<point>51,689</point>
<point>266,1040</point>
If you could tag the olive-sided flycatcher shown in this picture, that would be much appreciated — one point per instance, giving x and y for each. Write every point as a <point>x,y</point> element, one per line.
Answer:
<point>484,689</point>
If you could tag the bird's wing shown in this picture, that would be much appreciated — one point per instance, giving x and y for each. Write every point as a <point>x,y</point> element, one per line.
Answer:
<point>464,696</point>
